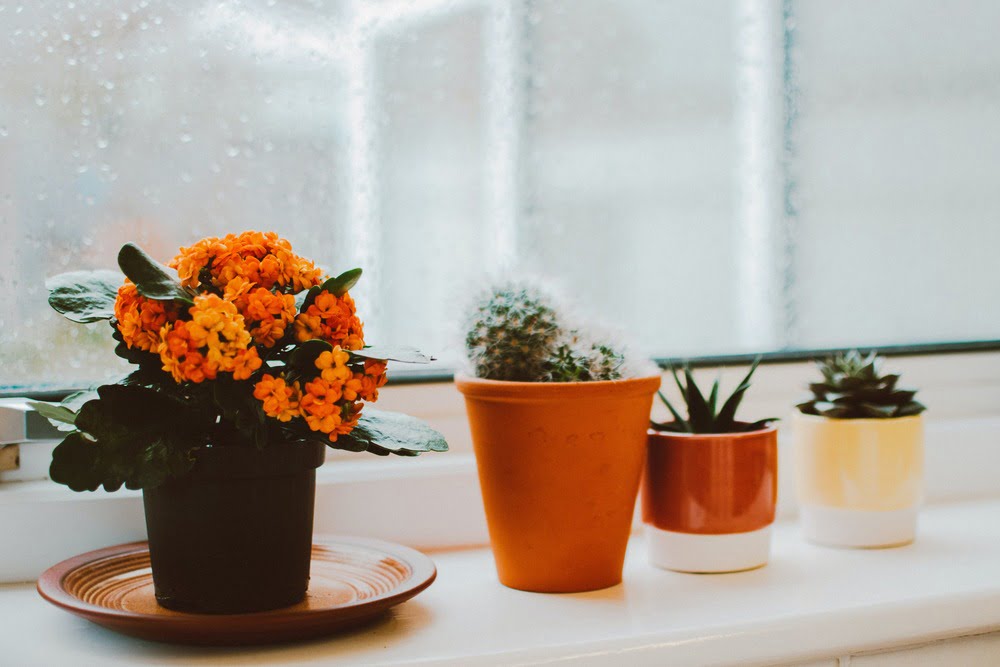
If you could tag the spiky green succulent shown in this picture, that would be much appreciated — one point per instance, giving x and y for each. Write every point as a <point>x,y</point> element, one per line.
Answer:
<point>854,387</point>
<point>703,415</point>
<point>516,334</point>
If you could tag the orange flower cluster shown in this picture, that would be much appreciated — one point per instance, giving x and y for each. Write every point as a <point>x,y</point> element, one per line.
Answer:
<point>331,402</point>
<point>215,339</point>
<point>333,319</point>
<point>140,319</point>
<point>243,288</point>
<point>260,258</point>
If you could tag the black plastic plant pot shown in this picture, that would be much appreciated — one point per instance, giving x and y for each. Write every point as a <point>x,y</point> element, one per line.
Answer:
<point>235,534</point>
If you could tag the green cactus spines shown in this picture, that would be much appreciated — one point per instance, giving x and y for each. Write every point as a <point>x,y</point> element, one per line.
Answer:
<point>854,387</point>
<point>510,334</point>
<point>516,334</point>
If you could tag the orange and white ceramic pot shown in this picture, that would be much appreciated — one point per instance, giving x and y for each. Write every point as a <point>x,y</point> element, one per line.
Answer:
<point>708,500</point>
<point>860,481</point>
<point>559,467</point>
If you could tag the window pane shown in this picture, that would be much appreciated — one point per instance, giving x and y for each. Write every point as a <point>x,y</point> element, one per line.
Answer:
<point>632,158</point>
<point>897,156</point>
<point>712,177</point>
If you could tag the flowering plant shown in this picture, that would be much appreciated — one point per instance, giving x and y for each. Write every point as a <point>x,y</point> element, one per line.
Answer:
<point>244,343</point>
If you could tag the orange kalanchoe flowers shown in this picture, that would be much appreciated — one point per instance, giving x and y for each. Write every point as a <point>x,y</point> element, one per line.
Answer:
<point>258,257</point>
<point>140,319</point>
<point>215,339</point>
<point>330,402</point>
<point>333,319</point>
<point>243,289</point>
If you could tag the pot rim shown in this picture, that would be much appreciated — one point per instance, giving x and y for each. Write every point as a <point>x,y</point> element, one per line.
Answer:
<point>479,387</point>
<point>742,435</point>
<point>798,414</point>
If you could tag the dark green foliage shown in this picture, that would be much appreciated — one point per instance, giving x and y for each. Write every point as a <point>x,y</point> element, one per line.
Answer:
<point>84,296</point>
<point>132,436</point>
<point>703,417</point>
<point>515,334</point>
<point>853,387</point>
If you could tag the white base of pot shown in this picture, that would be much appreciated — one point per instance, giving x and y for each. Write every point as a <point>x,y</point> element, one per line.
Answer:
<point>691,552</point>
<point>838,527</point>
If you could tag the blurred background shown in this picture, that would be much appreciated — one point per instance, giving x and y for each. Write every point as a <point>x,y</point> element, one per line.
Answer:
<point>713,177</point>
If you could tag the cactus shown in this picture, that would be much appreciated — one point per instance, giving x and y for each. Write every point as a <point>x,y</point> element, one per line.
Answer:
<point>516,333</point>
<point>511,333</point>
<point>854,387</point>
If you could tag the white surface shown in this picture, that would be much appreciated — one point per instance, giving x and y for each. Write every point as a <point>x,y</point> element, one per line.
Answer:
<point>810,602</point>
<point>688,552</point>
<point>839,527</point>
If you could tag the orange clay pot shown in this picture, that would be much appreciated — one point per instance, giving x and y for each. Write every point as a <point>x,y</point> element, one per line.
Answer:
<point>559,467</point>
<point>708,500</point>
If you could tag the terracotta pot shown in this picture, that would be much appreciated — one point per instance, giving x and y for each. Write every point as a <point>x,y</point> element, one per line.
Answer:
<point>235,534</point>
<point>559,467</point>
<point>708,500</point>
<point>860,481</point>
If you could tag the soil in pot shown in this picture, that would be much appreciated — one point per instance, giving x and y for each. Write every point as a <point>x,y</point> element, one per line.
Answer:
<point>235,534</point>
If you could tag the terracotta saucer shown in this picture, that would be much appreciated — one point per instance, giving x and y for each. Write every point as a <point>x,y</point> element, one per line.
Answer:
<point>352,580</point>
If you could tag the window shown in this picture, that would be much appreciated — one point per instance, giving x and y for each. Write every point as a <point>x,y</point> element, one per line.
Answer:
<point>712,177</point>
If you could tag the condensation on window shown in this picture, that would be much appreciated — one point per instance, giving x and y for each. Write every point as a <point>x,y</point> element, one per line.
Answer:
<point>711,177</point>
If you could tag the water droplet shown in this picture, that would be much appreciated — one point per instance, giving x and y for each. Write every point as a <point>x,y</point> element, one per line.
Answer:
<point>109,85</point>
<point>3,130</point>
<point>102,143</point>
<point>40,101</point>
<point>232,151</point>
<point>186,177</point>
<point>185,138</point>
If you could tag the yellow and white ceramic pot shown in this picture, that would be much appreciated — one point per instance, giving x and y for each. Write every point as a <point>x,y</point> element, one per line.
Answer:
<point>860,481</point>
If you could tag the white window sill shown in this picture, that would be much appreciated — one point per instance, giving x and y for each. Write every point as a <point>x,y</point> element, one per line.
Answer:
<point>809,604</point>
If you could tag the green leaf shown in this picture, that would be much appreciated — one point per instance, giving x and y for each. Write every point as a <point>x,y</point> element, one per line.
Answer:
<point>680,421</point>
<point>85,296</point>
<point>74,463</point>
<point>408,355</point>
<point>727,415</point>
<point>910,409</point>
<point>305,298</point>
<point>386,433</point>
<point>713,398</point>
<point>341,284</point>
<point>153,280</point>
<point>698,413</point>
<point>59,414</point>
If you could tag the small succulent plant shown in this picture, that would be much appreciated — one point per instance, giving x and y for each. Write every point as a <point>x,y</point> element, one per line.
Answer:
<point>703,417</point>
<point>517,333</point>
<point>854,387</point>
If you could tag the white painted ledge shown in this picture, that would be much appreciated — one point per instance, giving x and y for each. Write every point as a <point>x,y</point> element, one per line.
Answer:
<point>809,603</point>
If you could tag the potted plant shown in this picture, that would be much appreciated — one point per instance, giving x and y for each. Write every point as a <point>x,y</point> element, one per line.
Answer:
<point>558,426</point>
<point>710,486</point>
<point>859,455</point>
<point>249,363</point>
